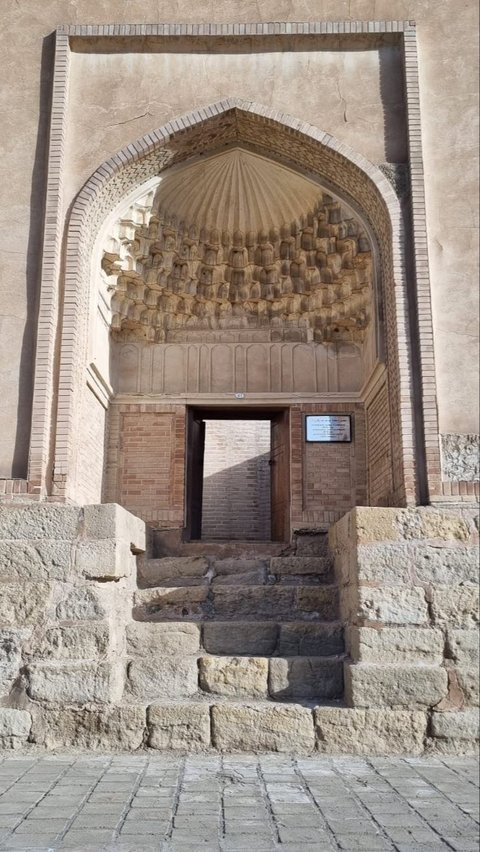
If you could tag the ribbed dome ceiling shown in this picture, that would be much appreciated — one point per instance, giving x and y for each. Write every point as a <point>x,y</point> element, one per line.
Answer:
<point>235,190</point>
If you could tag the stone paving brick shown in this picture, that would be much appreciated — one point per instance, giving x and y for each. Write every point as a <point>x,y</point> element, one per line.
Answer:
<point>124,804</point>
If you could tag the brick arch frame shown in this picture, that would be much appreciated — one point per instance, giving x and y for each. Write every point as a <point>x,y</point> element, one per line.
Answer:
<point>299,145</point>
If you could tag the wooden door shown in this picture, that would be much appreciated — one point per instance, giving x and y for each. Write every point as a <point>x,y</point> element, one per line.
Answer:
<point>194,474</point>
<point>280,476</point>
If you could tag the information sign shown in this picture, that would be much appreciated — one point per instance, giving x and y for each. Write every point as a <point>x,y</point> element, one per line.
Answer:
<point>328,428</point>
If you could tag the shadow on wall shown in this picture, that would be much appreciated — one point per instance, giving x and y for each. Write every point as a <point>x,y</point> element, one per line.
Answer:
<point>237,502</point>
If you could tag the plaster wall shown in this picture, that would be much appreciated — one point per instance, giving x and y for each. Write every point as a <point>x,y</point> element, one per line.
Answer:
<point>352,102</point>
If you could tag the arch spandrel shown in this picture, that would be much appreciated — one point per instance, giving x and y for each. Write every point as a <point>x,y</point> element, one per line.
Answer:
<point>291,143</point>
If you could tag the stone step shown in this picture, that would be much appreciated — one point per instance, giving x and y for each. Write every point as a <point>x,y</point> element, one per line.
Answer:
<point>167,543</point>
<point>197,570</point>
<point>243,726</point>
<point>160,677</point>
<point>156,639</point>
<point>238,603</point>
<point>311,544</point>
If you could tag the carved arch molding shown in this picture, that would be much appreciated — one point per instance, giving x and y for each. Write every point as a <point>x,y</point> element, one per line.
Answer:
<point>249,261</point>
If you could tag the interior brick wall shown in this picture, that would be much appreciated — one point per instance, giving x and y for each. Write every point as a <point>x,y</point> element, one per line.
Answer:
<point>236,482</point>
<point>146,462</point>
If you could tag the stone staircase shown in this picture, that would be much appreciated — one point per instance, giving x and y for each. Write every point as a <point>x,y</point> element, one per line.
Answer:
<point>252,626</point>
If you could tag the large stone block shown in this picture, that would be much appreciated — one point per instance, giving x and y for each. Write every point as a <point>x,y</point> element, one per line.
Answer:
<point>245,637</point>
<point>77,642</point>
<point>11,644</point>
<point>468,680</point>
<point>261,727</point>
<point>93,727</point>
<point>162,639</point>
<point>443,565</point>
<point>305,677</point>
<point>460,725</point>
<point>234,676</point>
<point>464,647</point>
<point>160,678</point>
<point>342,730</point>
<point>35,560</point>
<point>40,521</point>
<point>310,639</point>
<point>180,727</point>
<point>393,605</point>
<point>75,683</point>
<point>396,644</point>
<point>14,727</point>
<point>456,607</point>
<point>81,604</point>
<point>369,685</point>
<point>375,524</point>
<point>386,564</point>
<point>104,559</point>
<point>23,603</point>
<point>169,570</point>
<point>109,520</point>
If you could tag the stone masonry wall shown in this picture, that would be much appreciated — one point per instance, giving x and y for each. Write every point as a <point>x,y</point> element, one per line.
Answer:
<point>409,595</point>
<point>66,581</point>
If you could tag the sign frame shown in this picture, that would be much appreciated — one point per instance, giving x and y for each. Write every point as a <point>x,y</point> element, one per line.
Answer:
<point>347,421</point>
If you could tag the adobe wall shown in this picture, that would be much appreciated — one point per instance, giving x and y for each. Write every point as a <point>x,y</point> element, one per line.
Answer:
<point>116,99</point>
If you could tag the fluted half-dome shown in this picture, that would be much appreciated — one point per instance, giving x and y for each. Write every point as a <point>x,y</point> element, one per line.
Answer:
<point>235,190</point>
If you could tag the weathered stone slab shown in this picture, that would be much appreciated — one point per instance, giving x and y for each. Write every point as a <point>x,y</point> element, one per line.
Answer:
<point>81,604</point>
<point>169,569</point>
<point>264,601</point>
<point>45,521</point>
<point>315,544</point>
<point>369,685</point>
<point>77,642</point>
<point>94,727</point>
<point>396,644</point>
<point>384,524</point>
<point>443,565</point>
<point>226,637</point>
<point>342,730</point>
<point>23,603</point>
<point>305,677</point>
<point>170,603</point>
<point>319,566</point>
<point>74,683</point>
<point>456,607</point>
<point>461,725</point>
<point>318,601</point>
<point>304,639</point>
<point>162,639</point>
<point>14,727</point>
<point>160,678</point>
<point>393,605</point>
<point>180,727</point>
<point>468,679</point>
<point>464,647</point>
<point>234,676</point>
<point>35,560</point>
<point>262,727</point>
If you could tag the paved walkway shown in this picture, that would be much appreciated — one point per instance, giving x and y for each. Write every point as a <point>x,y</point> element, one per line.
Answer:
<point>141,803</point>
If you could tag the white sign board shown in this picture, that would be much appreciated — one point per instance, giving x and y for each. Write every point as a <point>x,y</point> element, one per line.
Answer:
<point>328,428</point>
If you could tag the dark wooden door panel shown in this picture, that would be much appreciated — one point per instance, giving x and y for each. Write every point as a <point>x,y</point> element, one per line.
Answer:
<point>280,480</point>
<point>194,474</point>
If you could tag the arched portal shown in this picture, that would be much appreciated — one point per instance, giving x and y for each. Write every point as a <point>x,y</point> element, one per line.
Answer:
<point>307,266</point>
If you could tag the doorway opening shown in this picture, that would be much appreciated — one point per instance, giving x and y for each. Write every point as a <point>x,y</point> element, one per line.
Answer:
<point>237,479</point>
